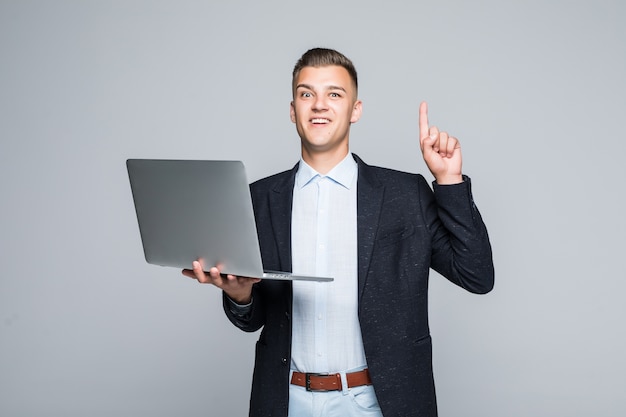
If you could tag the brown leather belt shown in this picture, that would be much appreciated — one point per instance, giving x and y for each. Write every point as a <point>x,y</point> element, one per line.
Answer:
<point>330,382</point>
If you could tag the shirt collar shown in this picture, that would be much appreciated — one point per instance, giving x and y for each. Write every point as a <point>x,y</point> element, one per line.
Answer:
<point>344,173</point>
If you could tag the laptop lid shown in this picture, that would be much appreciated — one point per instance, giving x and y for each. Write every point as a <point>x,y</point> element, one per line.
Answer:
<point>191,210</point>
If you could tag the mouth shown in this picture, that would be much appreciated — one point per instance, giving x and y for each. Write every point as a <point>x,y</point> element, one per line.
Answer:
<point>320,121</point>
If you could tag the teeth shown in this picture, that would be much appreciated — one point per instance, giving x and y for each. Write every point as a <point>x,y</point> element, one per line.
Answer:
<point>320,121</point>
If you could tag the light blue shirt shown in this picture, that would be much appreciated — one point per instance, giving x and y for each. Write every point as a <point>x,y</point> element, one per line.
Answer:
<point>326,336</point>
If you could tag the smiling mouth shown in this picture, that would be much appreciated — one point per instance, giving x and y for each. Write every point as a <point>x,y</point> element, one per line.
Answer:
<point>320,121</point>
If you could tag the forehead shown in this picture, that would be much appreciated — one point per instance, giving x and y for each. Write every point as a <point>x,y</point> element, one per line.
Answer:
<point>321,77</point>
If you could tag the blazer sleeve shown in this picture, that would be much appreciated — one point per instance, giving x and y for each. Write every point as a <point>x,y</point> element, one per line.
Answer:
<point>270,299</point>
<point>250,318</point>
<point>461,250</point>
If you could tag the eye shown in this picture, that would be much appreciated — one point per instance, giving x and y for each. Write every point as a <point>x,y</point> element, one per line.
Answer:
<point>335,95</point>
<point>306,94</point>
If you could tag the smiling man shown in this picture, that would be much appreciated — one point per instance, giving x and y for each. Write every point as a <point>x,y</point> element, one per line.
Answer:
<point>360,345</point>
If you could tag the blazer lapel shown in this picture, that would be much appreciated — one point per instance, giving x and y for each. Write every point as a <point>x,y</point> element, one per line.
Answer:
<point>281,197</point>
<point>369,202</point>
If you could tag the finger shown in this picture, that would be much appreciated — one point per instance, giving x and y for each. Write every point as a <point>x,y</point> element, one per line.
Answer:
<point>197,275</point>
<point>432,138</point>
<point>453,144</point>
<point>253,280</point>
<point>189,273</point>
<point>216,277</point>
<point>204,277</point>
<point>423,120</point>
<point>241,280</point>
<point>197,269</point>
<point>443,144</point>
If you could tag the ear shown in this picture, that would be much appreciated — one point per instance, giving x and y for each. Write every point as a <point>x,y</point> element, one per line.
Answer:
<point>292,112</point>
<point>357,109</point>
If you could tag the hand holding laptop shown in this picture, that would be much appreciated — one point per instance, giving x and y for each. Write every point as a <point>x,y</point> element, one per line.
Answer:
<point>238,289</point>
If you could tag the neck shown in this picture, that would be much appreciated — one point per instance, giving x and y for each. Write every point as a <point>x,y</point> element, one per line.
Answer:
<point>324,162</point>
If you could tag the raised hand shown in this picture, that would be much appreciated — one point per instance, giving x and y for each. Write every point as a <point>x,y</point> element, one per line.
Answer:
<point>442,152</point>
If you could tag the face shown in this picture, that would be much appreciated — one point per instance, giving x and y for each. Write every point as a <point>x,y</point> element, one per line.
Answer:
<point>323,108</point>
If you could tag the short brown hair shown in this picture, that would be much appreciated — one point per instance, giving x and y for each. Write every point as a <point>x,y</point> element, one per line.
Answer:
<point>323,57</point>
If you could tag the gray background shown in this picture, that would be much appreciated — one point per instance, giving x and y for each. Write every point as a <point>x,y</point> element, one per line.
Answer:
<point>534,90</point>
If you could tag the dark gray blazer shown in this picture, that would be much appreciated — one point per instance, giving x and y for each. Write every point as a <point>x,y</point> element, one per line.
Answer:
<point>404,228</point>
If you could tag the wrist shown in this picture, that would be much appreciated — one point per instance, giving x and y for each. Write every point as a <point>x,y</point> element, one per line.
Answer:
<point>449,179</point>
<point>241,299</point>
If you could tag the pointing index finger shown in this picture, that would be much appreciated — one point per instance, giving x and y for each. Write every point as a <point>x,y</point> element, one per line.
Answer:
<point>423,120</point>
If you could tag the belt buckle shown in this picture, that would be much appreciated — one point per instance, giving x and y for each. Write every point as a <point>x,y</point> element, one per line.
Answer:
<point>307,381</point>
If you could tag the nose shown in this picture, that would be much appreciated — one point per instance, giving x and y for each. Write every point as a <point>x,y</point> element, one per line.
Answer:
<point>319,104</point>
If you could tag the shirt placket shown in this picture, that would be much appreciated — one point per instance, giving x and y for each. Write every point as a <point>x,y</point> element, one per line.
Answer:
<point>322,269</point>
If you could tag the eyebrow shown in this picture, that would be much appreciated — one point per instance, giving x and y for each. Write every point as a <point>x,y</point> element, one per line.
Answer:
<point>330,87</point>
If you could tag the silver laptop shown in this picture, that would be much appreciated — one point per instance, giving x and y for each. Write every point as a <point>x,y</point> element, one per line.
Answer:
<point>191,210</point>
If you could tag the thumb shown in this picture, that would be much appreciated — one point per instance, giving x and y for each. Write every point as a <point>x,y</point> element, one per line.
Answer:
<point>429,142</point>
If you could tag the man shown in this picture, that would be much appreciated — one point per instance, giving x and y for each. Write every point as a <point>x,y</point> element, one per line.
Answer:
<point>377,232</point>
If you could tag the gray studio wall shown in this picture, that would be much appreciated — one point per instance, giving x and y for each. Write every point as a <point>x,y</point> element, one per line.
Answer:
<point>534,90</point>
